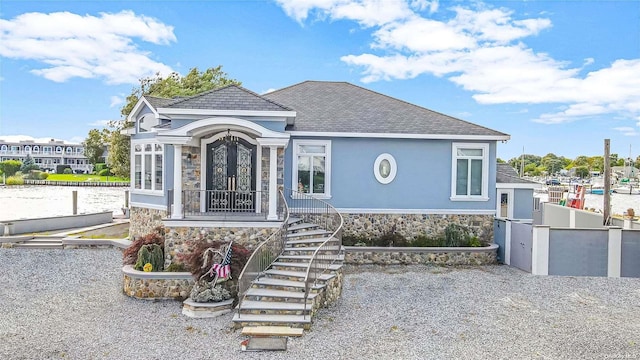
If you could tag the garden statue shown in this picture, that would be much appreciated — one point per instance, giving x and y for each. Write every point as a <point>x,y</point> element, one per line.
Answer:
<point>205,289</point>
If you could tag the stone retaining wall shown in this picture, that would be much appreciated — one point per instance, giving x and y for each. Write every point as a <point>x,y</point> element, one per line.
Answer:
<point>180,241</point>
<point>142,221</point>
<point>156,285</point>
<point>412,225</point>
<point>356,255</point>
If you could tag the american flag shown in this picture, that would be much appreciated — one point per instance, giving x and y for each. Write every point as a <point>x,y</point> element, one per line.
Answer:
<point>223,269</point>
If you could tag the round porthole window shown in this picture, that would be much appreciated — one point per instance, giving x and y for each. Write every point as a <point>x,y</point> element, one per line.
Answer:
<point>385,168</point>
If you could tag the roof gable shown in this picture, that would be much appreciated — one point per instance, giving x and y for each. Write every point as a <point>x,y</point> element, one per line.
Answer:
<point>231,97</point>
<point>343,107</point>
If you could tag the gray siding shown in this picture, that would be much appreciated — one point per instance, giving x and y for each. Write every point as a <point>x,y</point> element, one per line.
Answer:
<point>523,204</point>
<point>578,252</point>
<point>630,262</point>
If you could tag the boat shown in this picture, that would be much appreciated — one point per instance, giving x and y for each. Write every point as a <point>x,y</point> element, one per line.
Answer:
<point>598,191</point>
<point>627,190</point>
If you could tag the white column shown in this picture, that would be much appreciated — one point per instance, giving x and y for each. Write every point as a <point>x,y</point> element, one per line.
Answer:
<point>540,250</point>
<point>507,242</point>
<point>273,183</point>
<point>615,252</point>
<point>177,182</point>
<point>572,218</point>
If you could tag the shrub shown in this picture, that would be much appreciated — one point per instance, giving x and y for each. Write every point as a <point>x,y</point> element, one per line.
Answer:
<point>68,171</point>
<point>130,254</point>
<point>193,261</point>
<point>44,175</point>
<point>9,167</point>
<point>105,172</point>
<point>60,169</point>
<point>425,241</point>
<point>15,180</point>
<point>99,167</point>
<point>150,254</point>
<point>33,175</point>
<point>176,267</point>
<point>353,240</point>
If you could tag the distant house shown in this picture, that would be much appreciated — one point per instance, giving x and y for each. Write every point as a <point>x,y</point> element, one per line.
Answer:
<point>210,166</point>
<point>46,153</point>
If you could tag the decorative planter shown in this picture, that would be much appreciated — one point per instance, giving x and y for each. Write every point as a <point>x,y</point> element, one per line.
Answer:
<point>156,285</point>
<point>360,255</point>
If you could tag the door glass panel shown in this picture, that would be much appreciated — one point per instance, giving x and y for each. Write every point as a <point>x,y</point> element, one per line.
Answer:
<point>219,170</point>
<point>243,169</point>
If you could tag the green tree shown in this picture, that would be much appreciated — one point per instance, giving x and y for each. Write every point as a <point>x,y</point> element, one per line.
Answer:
<point>28,164</point>
<point>94,146</point>
<point>174,85</point>
<point>582,171</point>
<point>10,167</point>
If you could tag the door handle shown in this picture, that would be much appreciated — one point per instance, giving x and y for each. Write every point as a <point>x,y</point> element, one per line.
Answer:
<point>233,183</point>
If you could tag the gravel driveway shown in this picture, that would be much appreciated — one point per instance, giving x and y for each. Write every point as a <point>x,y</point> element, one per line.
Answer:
<point>69,304</point>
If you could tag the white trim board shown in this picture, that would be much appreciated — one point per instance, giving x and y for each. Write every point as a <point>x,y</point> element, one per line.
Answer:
<point>517,186</point>
<point>148,206</point>
<point>221,223</point>
<point>415,211</point>
<point>400,135</point>
<point>207,112</point>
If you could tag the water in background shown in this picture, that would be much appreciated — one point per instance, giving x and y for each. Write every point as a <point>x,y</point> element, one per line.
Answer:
<point>17,202</point>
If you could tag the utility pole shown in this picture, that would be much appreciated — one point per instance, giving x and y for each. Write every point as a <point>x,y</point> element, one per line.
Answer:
<point>522,163</point>
<point>607,184</point>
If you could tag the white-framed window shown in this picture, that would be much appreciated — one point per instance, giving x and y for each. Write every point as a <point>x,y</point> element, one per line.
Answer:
<point>3,148</point>
<point>15,149</point>
<point>58,149</point>
<point>79,151</point>
<point>27,149</point>
<point>36,149</point>
<point>312,167</point>
<point>470,172</point>
<point>46,150</point>
<point>385,168</point>
<point>147,166</point>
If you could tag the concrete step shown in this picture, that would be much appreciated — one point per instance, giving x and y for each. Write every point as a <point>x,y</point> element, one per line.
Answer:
<point>296,274</point>
<point>271,331</point>
<point>41,243</point>
<point>307,242</point>
<point>301,226</point>
<point>294,220</point>
<point>327,253</point>
<point>260,294</point>
<point>300,265</point>
<point>307,257</point>
<point>298,320</point>
<point>310,233</point>
<point>274,305</point>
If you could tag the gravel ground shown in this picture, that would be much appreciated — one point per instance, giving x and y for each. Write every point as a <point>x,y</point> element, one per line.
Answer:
<point>69,304</point>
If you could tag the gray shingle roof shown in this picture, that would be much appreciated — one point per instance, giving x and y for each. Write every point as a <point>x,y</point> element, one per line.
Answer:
<point>157,102</point>
<point>231,97</point>
<point>505,174</point>
<point>343,107</point>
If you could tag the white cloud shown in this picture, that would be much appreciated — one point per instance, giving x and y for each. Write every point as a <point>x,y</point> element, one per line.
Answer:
<point>86,46</point>
<point>100,123</point>
<point>116,100</point>
<point>366,12</point>
<point>628,131</point>
<point>269,90</point>
<point>482,49</point>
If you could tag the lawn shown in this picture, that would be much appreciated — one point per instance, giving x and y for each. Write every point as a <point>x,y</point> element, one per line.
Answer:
<point>83,177</point>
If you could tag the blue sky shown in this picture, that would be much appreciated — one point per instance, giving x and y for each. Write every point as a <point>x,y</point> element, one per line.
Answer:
<point>558,76</point>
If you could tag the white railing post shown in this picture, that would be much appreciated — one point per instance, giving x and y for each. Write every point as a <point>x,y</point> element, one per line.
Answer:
<point>614,252</point>
<point>540,250</point>
<point>176,212</point>
<point>507,242</point>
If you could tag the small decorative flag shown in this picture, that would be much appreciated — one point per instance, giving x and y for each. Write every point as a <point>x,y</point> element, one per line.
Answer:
<point>223,269</point>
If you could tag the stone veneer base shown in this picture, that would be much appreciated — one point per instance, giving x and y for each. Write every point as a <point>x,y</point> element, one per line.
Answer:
<point>156,285</point>
<point>206,310</point>
<point>450,256</point>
